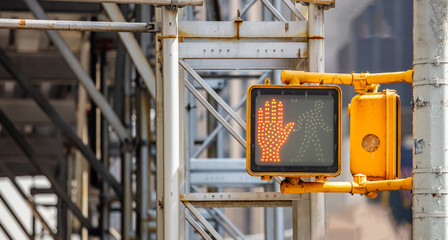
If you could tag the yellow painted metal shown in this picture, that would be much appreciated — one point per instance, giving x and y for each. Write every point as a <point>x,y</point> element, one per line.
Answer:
<point>375,135</point>
<point>360,185</point>
<point>363,82</point>
<point>268,175</point>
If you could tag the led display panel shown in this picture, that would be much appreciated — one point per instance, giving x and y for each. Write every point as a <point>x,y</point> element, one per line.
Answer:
<point>293,130</point>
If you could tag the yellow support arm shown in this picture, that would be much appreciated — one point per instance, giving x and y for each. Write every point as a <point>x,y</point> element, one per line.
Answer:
<point>359,186</point>
<point>363,82</point>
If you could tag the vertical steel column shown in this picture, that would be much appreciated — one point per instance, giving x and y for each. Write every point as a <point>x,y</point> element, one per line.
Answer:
<point>143,161</point>
<point>104,144</point>
<point>316,64</point>
<point>269,216</point>
<point>312,227</point>
<point>144,166</point>
<point>279,218</point>
<point>172,124</point>
<point>126,166</point>
<point>159,131</point>
<point>430,167</point>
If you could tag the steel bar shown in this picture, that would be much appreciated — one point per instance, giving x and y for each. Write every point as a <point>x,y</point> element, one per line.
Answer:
<point>29,201</point>
<point>144,164</point>
<point>126,158</point>
<point>16,218</point>
<point>221,120</point>
<point>172,125</point>
<point>135,51</point>
<point>5,231</point>
<point>269,215</point>
<point>294,10</point>
<point>242,50</point>
<point>180,3</point>
<point>197,226</point>
<point>215,132</point>
<point>58,121</point>
<point>279,218</point>
<point>212,93</point>
<point>203,221</point>
<point>229,30</point>
<point>83,77</point>
<point>274,11</point>
<point>316,64</point>
<point>159,132</point>
<point>31,156</point>
<point>254,64</point>
<point>430,128</point>
<point>74,25</point>
<point>241,199</point>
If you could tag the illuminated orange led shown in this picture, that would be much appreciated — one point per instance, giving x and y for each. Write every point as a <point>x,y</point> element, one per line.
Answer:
<point>271,134</point>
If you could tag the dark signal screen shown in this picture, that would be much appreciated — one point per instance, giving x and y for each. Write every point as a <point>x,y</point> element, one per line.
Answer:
<point>294,129</point>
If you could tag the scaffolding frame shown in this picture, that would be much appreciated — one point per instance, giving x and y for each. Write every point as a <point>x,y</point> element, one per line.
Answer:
<point>166,86</point>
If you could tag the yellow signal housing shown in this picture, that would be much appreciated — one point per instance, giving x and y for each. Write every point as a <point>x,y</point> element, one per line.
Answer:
<point>375,135</point>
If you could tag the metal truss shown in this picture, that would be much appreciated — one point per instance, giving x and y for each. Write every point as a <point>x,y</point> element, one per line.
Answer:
<point>206,45</point>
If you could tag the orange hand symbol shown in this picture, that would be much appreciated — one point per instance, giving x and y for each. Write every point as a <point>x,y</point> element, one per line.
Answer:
<point>270,131</point>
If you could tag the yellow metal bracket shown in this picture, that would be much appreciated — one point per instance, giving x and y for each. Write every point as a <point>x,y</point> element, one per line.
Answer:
<point>359,185</point>
<point>363,82</point>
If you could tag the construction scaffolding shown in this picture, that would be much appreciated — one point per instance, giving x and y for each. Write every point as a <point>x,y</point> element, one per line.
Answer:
<point>135,156</point>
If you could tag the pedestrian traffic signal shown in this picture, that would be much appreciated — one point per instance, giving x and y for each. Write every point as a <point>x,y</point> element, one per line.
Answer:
<point>375,135</point>
<point>293,131</point>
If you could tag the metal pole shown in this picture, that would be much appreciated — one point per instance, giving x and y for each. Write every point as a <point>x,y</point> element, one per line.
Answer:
<point>143,165</point>
<point>135,51</point>
<point>144,169</point>
<point>430,168</point>
<point>172,125</point>
<point>14,215</point>
<point>59,122</point>
<point>126,166</point>
<point>160,185</point>
<point>29,201</point>
<point>179,3</point>
<point>26,148</point>
<point>83,77</point>
<point>316,64</point>
<point>279,218</point>
<point>104,145</point>
<point>64,25</point>
<point>269,216</point>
